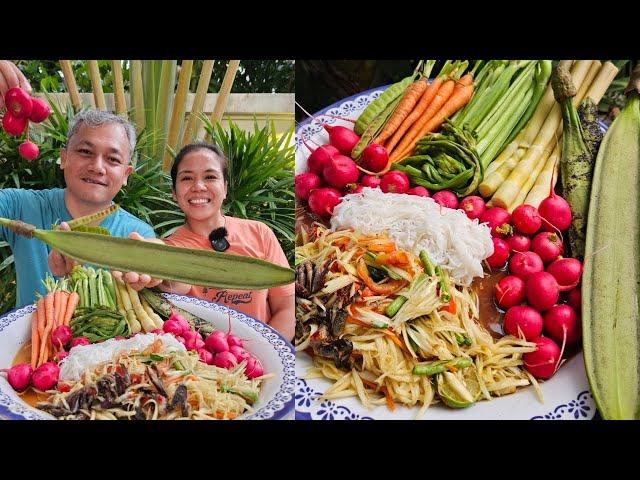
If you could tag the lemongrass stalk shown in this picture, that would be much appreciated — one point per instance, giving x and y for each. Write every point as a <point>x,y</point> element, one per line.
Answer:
<point>177,115</point>
<point>601,83</point>
<point>118,88</point>
<point>543,73</point>
<point>96,84</point>
<point>193,124</point>
<point>496,115</point>
<point>137,95</point>
<point>546,180</point>
<point>498,135</point>
<point>551,157</point>
<point>588,80</point>
<point>70,82</point>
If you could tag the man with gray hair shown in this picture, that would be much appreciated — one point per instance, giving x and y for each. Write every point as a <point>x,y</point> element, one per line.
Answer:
<point>96,162</point>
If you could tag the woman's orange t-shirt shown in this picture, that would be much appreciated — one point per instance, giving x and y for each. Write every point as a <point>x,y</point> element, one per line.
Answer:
<point>249,238</point>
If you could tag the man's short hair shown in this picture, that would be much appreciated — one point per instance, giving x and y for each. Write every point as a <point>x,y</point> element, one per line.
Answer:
<point>97,118</point>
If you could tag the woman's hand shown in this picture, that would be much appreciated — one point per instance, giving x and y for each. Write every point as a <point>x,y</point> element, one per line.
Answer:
<point>11,76</point>
<point>138,281</point>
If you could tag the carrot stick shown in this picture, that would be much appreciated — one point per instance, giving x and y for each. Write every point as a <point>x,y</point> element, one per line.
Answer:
<point>411,96</point>
<point>74,298</point>
<point>459,97</point>
<point>48,319</point>
<point>35,339</point>
<point>424,102</point>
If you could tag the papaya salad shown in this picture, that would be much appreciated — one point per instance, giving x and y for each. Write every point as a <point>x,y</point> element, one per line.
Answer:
<point>391,326</point>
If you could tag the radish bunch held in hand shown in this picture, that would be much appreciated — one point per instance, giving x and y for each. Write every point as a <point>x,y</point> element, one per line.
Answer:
<point>21,109</point>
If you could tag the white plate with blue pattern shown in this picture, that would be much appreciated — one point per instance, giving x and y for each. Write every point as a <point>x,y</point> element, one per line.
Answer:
<point>275,353</point>
<point>566,394</point>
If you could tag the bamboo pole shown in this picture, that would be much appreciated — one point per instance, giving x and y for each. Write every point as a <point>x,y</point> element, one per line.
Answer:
<point>137,95</point>
<point>165,102</point>
<point>70,81</point>
<point>96,84</point>
<point>193,123</point>
<point>225,89</point>
<point>177,115</point>
<point>118,88</point>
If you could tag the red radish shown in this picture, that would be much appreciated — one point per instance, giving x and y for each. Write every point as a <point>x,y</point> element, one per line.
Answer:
<point>370,181</point>
<point>509,292</point>
<point>157,331</point>
<point>180,339</point>
<point>522,320</point>
<point>374,158</point>
<point>560,321</point>
<point>13,125</point>
<point>18,102</point>
<point>525,264</point>
<point>119,337</point>
<point>232,340</point>
<point>323,200</point>
<point>224,360</point>
<point>205,356</point>
<point>555,213</point>
<point>305,183</point>
<point>254,368</point>
<point>340,171</point>
<point>498,220</point>
<point>58,357</point>
<point>543,362</point>
<point>526,219</point>
<point>548,245</point>
<point>173,327</point>
<point>186,326</point>
<point>199,343</point>
<point>190,338</point>
<point>217,342</point>
<point>473,206</point>
<point>28,150</point>
<point>239,352</point>
<point>542,291</point>
<point>45,376</point>
<point>19,376</point>
<point>80,341</point>
<point>320,157</point>
<point>574,299</point>
<point>446,198</point>
<point>61,336</point>
<point>353,189</point>
<point>419,191</point>
<point>567,272</point>
<point>394,182</point>
<point>342,138</point>
<point>40,110</point>
<point>500,253</point>
<point>519,243</point>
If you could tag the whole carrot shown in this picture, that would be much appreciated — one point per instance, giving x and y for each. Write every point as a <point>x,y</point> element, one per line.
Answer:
<point>417,112</point>
<point>74,298</point>
<point>461,94</point>
<point>409,100</point>
<point>48,319</point>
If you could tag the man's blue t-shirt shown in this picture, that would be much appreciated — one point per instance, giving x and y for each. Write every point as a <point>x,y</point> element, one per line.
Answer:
<point>43,208</point>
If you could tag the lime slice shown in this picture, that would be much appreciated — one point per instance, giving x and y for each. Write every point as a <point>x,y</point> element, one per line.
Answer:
<point>472,382</point>
<point>453,391</point>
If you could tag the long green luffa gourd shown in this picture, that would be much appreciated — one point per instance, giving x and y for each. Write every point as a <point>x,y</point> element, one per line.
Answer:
<point>611,279</point>
<point>193,266</point>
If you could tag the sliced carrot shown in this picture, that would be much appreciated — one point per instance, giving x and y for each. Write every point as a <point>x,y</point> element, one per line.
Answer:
<point>391,405</point>
<point>388,288</point>
<point>355,321</point>
<point>449,307</point>
<point>395,339</point>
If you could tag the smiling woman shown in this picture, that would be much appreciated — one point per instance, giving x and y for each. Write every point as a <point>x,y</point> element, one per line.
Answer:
<point>199,176</point>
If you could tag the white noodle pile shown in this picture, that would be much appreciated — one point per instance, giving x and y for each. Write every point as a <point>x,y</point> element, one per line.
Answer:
<point>415,223</point>
<point>83,357</point>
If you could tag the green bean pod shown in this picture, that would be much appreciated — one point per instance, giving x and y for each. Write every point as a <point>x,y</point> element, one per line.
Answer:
<point>373,129</point>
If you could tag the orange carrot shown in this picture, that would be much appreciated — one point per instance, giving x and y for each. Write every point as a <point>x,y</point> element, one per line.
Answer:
<point>355,321</point>
<point>449,307</point>
<point>411,96</point>
<point>49,319</point>
<point>424,102</point>
<point>74,298</point>
<point>35,339</point>
<point>64,301</point>
<point>395,339</point>
<point>459,97</point>
<point>383,389</point>
<point>57,304</point>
